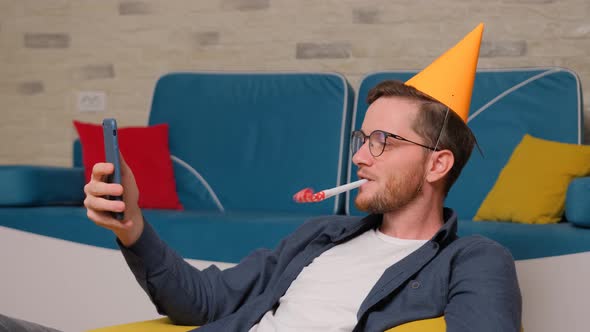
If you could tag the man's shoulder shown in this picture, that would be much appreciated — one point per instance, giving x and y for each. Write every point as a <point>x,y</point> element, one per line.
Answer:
<point>476,240</point>
<point>480,247</point>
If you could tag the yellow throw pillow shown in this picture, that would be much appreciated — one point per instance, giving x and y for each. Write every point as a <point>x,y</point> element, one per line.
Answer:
<point>532,186</point>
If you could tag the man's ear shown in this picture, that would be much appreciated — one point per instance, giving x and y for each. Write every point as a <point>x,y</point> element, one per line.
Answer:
<point>439,164</point>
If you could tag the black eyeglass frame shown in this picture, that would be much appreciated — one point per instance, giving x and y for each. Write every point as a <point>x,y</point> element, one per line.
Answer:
<point>386,134</point>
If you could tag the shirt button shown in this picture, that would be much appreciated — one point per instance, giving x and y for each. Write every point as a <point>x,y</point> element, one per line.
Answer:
<point>414,284</point>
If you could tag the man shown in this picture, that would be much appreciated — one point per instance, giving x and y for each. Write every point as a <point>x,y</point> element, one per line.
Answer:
<point>403,262</point>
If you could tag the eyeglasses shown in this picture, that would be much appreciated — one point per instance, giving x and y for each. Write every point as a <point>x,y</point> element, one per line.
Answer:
<point>377,141</point>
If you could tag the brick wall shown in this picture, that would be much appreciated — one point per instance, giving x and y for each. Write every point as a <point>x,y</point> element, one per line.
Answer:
<point>51,49</point>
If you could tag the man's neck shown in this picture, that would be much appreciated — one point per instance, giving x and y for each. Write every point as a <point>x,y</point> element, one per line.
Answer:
<point>419,220</point>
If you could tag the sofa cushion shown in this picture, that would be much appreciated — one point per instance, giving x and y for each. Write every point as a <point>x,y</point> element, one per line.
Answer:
<point>145,150</point>
<point>527,241</point>
<point>230,237</point>
<point>258,138</point>
<point>193,189</point>
<point>36,185</point>
<point>206,236</point>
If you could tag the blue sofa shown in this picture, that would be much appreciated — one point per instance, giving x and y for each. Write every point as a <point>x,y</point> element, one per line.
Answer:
<point>243,143</point>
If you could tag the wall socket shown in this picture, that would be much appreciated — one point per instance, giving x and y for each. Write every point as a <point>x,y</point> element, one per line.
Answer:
<point>92,101</point>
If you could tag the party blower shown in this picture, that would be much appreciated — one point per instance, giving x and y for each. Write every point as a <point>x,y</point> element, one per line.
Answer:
<point>308,196</point>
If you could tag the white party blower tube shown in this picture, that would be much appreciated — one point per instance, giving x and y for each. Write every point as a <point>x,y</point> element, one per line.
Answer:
<point>343,188</point>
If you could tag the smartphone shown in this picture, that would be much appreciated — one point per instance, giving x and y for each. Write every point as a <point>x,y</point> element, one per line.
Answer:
<point>111,149</point>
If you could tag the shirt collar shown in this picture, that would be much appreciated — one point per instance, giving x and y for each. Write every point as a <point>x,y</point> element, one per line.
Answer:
<point>445,234</point>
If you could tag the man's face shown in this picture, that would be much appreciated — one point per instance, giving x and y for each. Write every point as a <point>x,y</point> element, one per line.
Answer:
<point>396,176</point>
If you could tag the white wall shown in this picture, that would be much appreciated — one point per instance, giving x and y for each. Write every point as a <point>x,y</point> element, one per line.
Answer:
<point>52,49</point>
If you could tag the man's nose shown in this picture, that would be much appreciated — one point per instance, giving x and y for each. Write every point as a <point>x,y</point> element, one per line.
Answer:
<point>363,155</point>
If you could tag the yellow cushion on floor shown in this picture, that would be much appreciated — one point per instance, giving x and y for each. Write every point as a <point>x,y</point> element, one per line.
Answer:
<point>164,324</point>
<point>431,325</point>
<point>155,325</point>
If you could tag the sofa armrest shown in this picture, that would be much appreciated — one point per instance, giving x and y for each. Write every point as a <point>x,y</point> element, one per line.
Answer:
<point>577,202</point>
<point>28,185</point>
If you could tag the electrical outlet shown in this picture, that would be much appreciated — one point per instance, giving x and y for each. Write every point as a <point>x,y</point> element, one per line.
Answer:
<point>92,101</point>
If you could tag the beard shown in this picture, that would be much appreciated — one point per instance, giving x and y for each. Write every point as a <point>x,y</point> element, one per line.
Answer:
<point>400,190</point>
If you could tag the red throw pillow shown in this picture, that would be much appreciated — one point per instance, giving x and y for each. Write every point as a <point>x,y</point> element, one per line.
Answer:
<point>146,151</point>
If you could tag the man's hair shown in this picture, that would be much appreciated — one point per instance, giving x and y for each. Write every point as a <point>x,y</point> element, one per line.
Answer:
<point>455,135</point>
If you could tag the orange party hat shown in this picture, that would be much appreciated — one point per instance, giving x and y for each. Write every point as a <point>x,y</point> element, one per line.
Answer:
<point>449,79</point>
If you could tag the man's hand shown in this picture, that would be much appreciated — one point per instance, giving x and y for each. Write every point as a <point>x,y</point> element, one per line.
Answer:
<point>99,208</point>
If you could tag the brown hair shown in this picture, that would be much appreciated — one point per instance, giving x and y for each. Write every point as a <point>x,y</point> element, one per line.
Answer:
<point>430,122</point>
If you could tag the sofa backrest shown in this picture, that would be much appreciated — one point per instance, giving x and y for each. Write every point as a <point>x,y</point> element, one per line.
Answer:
<point>506,104</point>
<point>252,140</point>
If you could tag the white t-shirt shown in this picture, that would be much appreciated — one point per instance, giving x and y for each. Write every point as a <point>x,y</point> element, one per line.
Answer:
<point>328,292</point>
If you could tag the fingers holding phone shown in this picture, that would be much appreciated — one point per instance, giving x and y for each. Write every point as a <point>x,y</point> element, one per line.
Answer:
<point>112,195</point>
<point>100,208</point>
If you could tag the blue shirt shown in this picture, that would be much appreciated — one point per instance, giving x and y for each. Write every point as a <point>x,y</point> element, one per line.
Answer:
<point>471,281</point>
